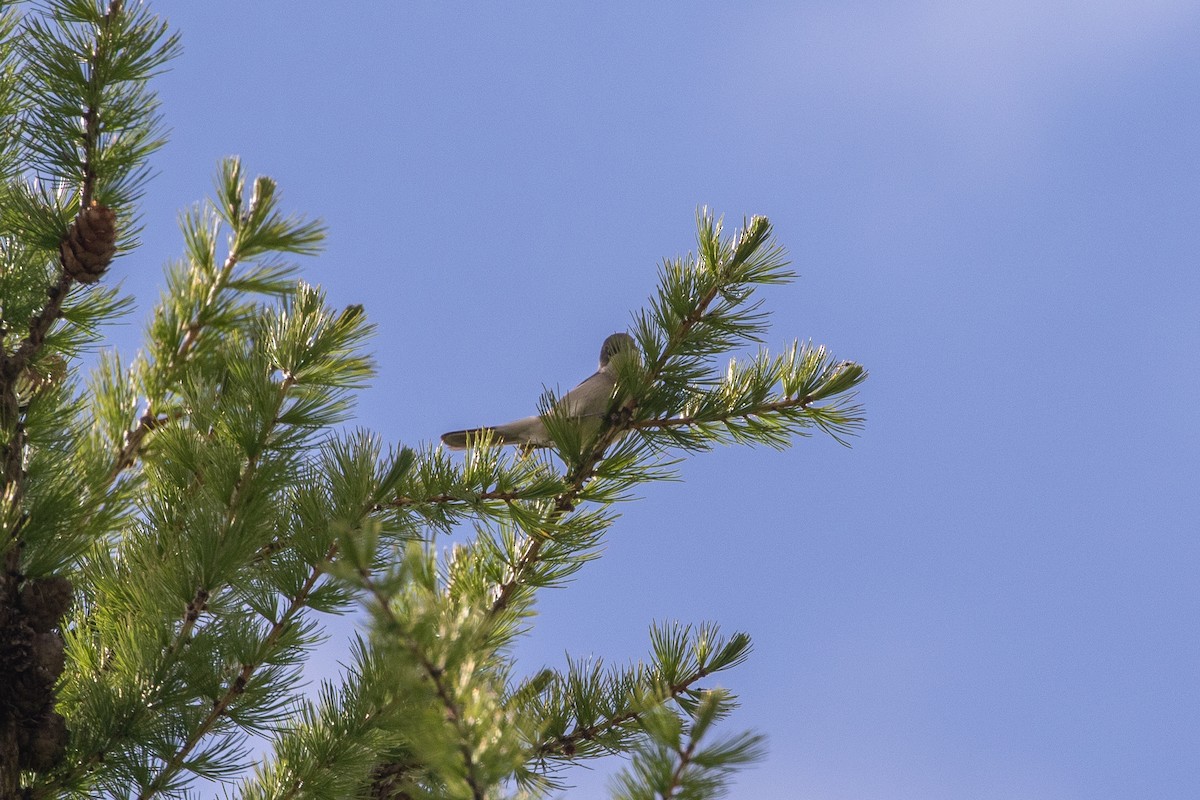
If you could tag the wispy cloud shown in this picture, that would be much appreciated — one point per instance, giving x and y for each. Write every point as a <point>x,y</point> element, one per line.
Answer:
<point>992,67</point>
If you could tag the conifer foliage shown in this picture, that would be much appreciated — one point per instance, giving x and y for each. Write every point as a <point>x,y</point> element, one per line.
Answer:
<point>169,526</point>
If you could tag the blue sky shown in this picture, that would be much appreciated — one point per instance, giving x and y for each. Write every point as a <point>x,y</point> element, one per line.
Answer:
<point>994,206</point>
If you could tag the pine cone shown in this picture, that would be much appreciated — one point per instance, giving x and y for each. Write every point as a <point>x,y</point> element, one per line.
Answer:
<point>90,243</point>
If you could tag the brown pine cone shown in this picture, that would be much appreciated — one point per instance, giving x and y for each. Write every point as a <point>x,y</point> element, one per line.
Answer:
<point>90,243</point>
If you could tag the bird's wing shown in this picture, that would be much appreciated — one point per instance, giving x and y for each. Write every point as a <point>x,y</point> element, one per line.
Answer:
<point>589,398</point>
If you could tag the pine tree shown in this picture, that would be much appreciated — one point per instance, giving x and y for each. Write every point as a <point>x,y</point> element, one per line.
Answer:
<point>170,526</point>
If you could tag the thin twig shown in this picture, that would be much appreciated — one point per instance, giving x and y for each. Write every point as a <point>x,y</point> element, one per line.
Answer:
<point>559,745</point>
<point>135,435</point>
<point>757,411</point>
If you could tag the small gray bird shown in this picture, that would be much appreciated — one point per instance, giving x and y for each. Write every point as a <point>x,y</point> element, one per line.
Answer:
<point>589,399</point>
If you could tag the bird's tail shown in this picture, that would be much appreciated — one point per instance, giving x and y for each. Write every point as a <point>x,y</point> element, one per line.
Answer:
<point>530,431</point>
<point>458,440</point>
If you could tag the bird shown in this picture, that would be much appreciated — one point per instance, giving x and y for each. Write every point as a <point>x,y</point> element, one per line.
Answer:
<point>589,399</point>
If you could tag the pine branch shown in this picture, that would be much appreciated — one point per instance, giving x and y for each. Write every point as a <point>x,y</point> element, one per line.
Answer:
<point>238,686</point>
<point>587,706</point>
<point>171,654</point>
<point>91,113</point>
<point>133,439</point>
<point>200,603</point>
<point>11,366</point>
<point>469,501</point>
<point>566,745</point>
<point>256,229</point>
<point>685,760</point>
<point>695,419</point>
<point>274,394</point>
<point>334,745</point>
<point>667,764</point>
<point>437,677</point>
<point>40,324</point>
<point>67,73</point>
<point>563,504</point>
<point>148,420</point>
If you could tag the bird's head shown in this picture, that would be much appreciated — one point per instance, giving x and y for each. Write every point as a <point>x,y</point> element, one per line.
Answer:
<point>617,343</point>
